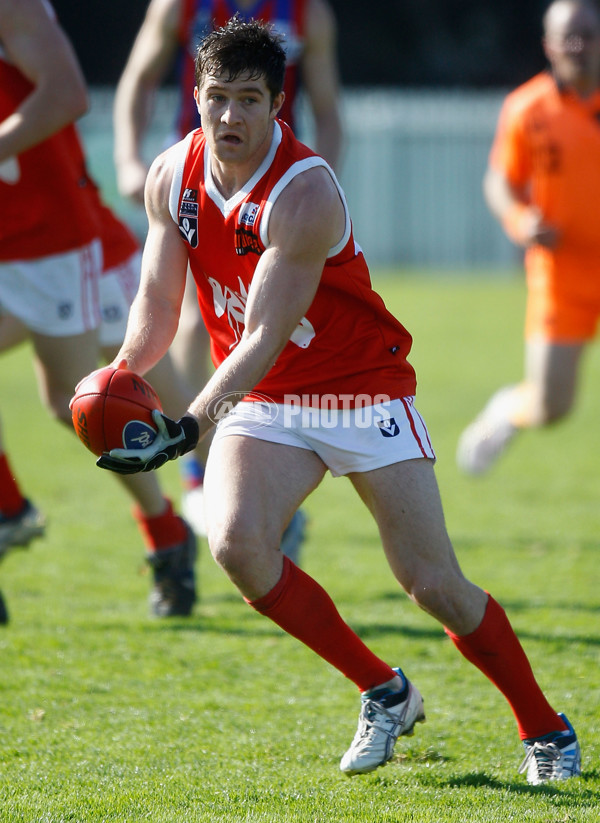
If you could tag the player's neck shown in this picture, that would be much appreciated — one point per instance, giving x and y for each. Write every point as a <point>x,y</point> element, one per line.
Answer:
<point>230,176</point>
<point>583,87</point>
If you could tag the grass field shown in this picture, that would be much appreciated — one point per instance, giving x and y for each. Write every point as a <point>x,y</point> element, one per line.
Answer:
<point>107,715</point>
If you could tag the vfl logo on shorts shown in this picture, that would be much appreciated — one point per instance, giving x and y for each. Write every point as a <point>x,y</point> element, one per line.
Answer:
<point>388,427</point>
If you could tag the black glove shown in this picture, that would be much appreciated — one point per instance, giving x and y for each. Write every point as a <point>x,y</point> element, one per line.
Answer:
<point>174,438</point>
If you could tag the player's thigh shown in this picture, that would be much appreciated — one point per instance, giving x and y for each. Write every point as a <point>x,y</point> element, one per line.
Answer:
<point>60,363</point>
<point>253,487</point>
<point>405,502</point>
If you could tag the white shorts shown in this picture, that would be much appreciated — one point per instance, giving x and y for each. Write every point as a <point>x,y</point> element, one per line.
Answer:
<point>57,295</point>
<point>349,440</point>
<point>118,287</point>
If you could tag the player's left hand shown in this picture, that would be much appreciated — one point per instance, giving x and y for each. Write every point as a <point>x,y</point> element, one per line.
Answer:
<point>174,438</point>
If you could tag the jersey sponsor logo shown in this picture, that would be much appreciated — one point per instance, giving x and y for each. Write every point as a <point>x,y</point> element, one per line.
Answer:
<point>188,208</point>
<point>188,226</point>
<point>248,214</point>
<point>388,427</point>
<point>246,242</point>
<point>190,194</point>
<point>232,305</point>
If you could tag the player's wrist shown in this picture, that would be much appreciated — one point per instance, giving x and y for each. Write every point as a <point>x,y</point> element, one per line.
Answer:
<point>191,430</point>
<point>517,223</point>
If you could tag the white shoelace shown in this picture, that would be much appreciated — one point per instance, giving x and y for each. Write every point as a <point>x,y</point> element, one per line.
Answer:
<point>545,756</point>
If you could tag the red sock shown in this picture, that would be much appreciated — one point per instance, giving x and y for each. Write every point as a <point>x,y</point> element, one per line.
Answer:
<point>162,531</point>
<point>494,648</point>
<point>304,609</point>
<point>11,499</point>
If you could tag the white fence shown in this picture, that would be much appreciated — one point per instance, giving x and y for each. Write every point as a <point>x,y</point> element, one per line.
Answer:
<point>412,171</point>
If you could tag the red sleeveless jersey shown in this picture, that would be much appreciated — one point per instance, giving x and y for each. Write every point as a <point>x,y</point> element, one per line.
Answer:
<point>45,192</point>
<point>347,344</point>
<point>199,17</point>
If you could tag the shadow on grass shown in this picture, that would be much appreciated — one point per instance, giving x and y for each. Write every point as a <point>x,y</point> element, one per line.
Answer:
<point>516,606</point>
<point>564,793</point>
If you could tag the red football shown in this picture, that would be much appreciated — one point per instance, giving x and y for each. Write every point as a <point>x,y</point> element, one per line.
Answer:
<point>112,410</point>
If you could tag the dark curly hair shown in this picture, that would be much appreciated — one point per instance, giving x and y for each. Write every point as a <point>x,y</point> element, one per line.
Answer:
<point>242,48</point>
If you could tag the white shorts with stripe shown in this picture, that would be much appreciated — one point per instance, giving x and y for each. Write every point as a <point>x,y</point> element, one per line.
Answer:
<point>57,295</point>
<point>118,287</point>
<point>346,440</point>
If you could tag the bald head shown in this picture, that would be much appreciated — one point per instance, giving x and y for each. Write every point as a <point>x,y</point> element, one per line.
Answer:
<point>572,43</point>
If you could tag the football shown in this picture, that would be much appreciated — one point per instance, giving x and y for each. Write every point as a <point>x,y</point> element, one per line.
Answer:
<point>112,409</point>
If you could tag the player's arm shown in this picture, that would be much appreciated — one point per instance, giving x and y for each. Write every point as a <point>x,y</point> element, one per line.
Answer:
<point>154,313</point>
<point>148,62</point>
<point>522,220</point>
<point>321,81</point>
<point>35,43</point>
<point>306,221</point>
<point>507,181</point>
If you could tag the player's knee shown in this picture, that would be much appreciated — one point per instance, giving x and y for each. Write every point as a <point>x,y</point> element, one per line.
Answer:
<point>426,593</point>
<point>232,546</point>
<point>439,594</point>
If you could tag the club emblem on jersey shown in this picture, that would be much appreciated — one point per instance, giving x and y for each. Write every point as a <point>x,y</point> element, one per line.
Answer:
<point>188,226</point>
<point>388,427</point>
<point>246,242</point>
<point>232,305</point>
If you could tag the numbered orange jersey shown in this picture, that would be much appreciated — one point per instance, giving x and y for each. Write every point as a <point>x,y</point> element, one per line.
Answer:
<point>548,146</point>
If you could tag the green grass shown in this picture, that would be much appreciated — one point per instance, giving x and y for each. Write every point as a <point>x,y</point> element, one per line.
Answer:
<point>107,715</point>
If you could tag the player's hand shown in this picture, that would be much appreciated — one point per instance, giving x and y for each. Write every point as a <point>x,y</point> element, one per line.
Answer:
<point>174,438</point>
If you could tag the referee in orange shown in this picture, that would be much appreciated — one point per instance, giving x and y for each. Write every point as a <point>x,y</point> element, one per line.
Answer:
<point>543,185</point>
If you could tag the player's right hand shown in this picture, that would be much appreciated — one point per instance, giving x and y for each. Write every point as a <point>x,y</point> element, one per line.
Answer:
<point>174,438</point>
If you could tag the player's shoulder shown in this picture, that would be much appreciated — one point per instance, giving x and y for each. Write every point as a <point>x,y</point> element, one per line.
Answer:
<point>164,168</point>
<point>175,155</point>
<point>531,94</point>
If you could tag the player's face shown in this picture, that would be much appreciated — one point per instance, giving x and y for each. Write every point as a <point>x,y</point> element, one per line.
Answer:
<point>572,44</point>
<point>237,117</point>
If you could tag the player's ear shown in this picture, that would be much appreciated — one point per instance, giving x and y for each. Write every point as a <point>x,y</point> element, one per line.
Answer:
<point>277,104</point>
<point>197,97</point>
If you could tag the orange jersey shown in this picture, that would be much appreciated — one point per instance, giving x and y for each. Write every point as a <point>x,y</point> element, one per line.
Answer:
<point>347,343</point>
<point>548,145</point>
